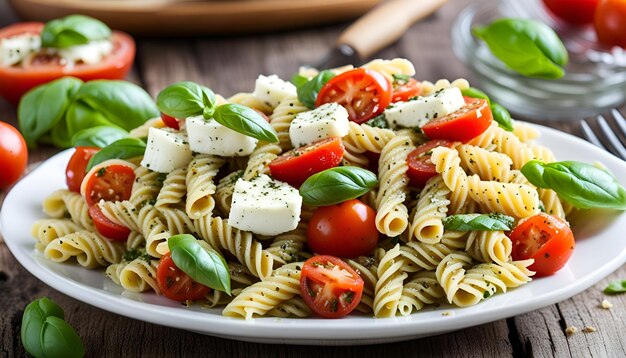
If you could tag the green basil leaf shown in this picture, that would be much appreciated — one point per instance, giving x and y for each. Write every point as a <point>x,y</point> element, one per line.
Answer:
<point>121,149</point>
<point>616,287</point>
<point>99,136</point>
<point>59,339</point>
<point>474,92</point>
<point>200,262</point>
<point>336,185</point>
<point>32,322</point>
<point>380,121</point>
<point>502,116</point>
<point>479,222</point>
<point>73,30</point>
<point>307,92</point>
<point>246,121</point>
<point>298,80</point>
<point>43,107</point>
<point>185,99</point>
<point>584,186</point>
<point>528,47</point>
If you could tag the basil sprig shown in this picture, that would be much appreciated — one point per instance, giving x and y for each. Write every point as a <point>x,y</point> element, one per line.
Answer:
<point>528,47</point>
<point>616,287</point>
<point>500,114</point>
<point>99,136</point>
<point>124,148</point>
<point>73,30</point>
<point>479,222</point>
<point>584,186</point>
<point>308,89</point>
<point>336,185</point>
<point>44,333</point>
<point>188,99</point>
<point>200,262</point>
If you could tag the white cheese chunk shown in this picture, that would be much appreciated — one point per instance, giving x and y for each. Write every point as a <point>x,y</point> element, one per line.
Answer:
<point>89,53</point>
<point>166,150</point>
<point>265,206</point>
<point>422,109</point>
<point>210,137</point>
<point>272,90</point>
<point>14,49</point>
<point>328,120</point>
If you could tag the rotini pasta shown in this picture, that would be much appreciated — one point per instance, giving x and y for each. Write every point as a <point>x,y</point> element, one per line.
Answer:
<point>432,206</point>
<point>200,187</point>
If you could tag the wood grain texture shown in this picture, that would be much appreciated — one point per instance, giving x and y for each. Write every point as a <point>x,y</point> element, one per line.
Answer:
<point>230,65</point>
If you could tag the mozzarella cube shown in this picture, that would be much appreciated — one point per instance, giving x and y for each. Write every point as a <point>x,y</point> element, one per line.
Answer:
<point>16,48</point>
<point>272,90</point>
<point>328,120</point>
<point>418,111</point>
<point>265,206</point>
<point>166,150</point>
<point>210,137</point>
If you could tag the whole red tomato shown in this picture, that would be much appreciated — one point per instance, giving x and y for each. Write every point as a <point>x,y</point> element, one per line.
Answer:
<point>13,155</point>
<point>610,22</point>
<point>575,12</point>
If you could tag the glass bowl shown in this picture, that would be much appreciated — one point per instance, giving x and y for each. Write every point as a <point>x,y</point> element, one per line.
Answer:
<point>595,78</point>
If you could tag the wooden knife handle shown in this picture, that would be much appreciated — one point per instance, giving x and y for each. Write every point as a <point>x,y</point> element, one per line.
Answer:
<point>385,24</point>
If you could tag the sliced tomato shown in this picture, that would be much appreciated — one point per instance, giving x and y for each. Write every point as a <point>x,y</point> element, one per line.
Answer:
<point>546,239</point>
<point>16,80</point>
<point>364,93</point>
<point>295,166</point>
<point>347,230</point>
<point>76,167</point>
<point>111,180</point>
<point>106,227</point>
<point>420,167</point>
<point>405,90</point>
<point>330,287</point>
<point>177,285</point>
<point>468,122</point>
<point>170,121</point>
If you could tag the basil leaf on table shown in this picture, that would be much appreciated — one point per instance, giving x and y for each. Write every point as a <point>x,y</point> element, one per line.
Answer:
<point>201,263</point>
<point>583,185</point>
<point>246,121</point>
<point>526,46</point>
<point>73,30</point>
<point>307,91</point>
<point>43,107</point>
<point>479,222</point>
<point>59,339</point>
<point>500,114</point>
<point>616,287</point>
<point>336,185</point>
<point>185,99</point>
<point>99,136</point>
<point>121,149</point>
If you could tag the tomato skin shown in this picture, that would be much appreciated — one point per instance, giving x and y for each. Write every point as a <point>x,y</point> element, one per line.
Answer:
<point>346,230</point>
<point>76,167</point>
<point>170,121</point>
<point>107,228</point>
<point>466,123</point>
<point>295,166</point>
<point>420,167</point>
<point>546,239</point>
<point>111,180</point>
<point>177,285</point>
<point>364,93</point>
<point>406,91</point>
<point>330,287</point>
<point>13,155</point>
<point>610,22</point>
<point>15,81</point>
<point>575,12</point>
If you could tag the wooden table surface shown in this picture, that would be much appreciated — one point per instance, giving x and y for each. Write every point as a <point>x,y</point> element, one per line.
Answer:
<point>229,65</point>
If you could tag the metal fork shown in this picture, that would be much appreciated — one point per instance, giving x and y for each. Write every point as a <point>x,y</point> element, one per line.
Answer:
<point>607,138</point>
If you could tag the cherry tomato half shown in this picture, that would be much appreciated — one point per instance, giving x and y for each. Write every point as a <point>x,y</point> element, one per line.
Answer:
<point>76,167</point>
<point>405,90</point>
<point>330,287</point>
<point>170,121</point>
<point>420,167</point>
<point>466,123</point>
<point>364,93</point>
<point>111,180</point>
<point>610,22</point>
<point>13,155</point>
<point>546,239</point>
<point>16,80</point>
<point>295,166</point>
<point>106,227</point>
<point>347,230</point>
<point>177,285</point>
<point>575,12</point>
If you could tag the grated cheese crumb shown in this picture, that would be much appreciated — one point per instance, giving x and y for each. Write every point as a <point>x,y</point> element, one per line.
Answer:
<point>589,329</point>
<point>606,304</point>
<point>571,330</point>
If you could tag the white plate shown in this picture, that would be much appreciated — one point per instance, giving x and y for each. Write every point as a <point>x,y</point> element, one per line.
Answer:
<point>596,256</point>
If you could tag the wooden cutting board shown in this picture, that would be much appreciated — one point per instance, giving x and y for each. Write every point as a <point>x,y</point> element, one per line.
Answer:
<point>202,17</point>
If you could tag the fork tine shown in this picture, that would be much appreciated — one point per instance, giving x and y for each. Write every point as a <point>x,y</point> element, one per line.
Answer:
<point>615,143</point>
<point>589,135</point>
<point>619,119</point>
